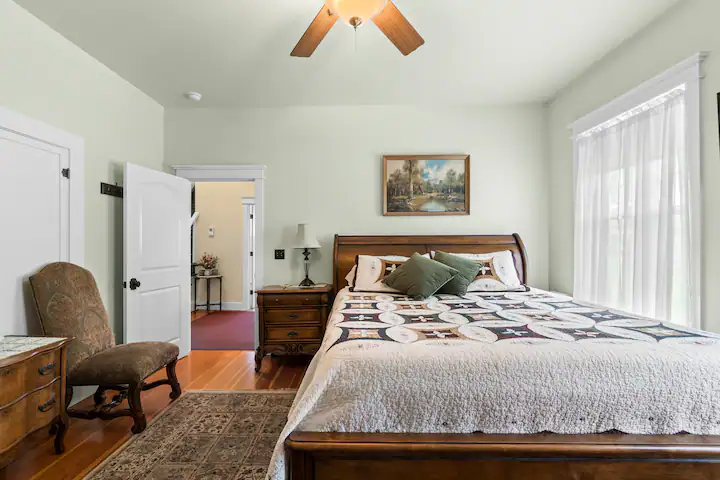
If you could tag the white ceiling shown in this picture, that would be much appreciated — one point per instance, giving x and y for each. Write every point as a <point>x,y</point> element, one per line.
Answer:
<point>237,52</point>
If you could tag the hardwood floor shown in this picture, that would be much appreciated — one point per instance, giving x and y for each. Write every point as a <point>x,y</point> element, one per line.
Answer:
<point>88,442</point>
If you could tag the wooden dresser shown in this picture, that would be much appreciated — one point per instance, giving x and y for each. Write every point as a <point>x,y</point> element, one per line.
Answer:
<point>32,390</point>
<point>292,320</point>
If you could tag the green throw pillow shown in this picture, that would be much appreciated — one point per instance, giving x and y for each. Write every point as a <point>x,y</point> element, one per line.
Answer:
<point>467,271</point>
<point>420,277</point>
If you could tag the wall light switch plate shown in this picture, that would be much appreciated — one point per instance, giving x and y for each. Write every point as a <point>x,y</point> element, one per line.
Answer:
<point>211,231</point>
<point>279,254</point>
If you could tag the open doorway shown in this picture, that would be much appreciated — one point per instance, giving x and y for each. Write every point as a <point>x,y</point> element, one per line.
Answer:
<point>236,173</point>
<point>223,268</point>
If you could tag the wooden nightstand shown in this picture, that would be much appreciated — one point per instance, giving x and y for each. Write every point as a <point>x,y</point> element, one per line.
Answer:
<point>32,390</point>
<point>292,320</point>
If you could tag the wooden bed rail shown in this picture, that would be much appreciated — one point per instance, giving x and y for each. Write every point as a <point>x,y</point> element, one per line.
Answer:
<point>379,456</point>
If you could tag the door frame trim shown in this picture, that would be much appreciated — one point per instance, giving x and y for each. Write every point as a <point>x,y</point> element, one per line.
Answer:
<point>237,173</point>
<point>247,299</point>
<point>28,127</point>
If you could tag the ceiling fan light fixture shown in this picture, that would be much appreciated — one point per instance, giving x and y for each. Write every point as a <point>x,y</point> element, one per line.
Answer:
<point>356,12</point>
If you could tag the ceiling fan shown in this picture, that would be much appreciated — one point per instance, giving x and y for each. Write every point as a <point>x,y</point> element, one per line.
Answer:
<point>355,13</point>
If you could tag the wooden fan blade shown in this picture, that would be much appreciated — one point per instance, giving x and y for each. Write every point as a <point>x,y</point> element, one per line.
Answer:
<point>315,33</point>
<point>398,30</point>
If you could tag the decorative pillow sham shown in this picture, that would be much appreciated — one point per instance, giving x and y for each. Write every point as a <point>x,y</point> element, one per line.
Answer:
<point>371,271</point>
<point>497,272</point>
<point>350,277</point>
<point>420,277</point>
<point>467,272</point>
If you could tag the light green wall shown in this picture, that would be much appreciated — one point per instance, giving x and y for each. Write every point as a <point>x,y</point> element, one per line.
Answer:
<point>46,77</point>
<point>688,28</point>
<point>324,167</point>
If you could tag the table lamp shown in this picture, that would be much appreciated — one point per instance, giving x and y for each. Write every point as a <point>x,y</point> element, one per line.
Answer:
<point>306,240</point>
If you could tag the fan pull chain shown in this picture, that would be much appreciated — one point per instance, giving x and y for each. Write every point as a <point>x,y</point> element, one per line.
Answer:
<point>355,41</point>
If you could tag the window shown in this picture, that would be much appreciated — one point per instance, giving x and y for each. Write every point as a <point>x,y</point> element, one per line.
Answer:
<point>637,200</point>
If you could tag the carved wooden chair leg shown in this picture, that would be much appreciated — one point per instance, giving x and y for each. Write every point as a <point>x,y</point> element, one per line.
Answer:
<point>172,377</point>
<point>136,408</point>
<point>99,396</point>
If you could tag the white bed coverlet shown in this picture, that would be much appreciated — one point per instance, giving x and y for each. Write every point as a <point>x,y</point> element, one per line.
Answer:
<point>503,363</point>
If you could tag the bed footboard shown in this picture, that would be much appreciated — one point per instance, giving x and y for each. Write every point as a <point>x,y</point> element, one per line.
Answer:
<point>380,456</point>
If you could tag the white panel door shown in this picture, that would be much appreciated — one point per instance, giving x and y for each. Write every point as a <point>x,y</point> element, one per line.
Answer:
<point>34,196</point>
<point>157,257</point>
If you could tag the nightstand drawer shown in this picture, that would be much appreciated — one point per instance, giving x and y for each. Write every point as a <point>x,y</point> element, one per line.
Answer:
<point>293,316</point>
<point>294,299</point>
<point>42,369</point>
<point>12,382</point>
<point>290,333</point>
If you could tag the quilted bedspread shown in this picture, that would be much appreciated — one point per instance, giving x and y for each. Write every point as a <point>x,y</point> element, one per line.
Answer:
<point>522,362</point>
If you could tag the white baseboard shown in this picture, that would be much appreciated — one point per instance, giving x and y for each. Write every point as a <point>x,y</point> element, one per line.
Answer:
<point>81,393</point>
<point>230,306</point>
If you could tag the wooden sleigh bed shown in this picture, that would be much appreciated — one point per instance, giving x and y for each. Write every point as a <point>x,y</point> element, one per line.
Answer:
<point>377,456</point>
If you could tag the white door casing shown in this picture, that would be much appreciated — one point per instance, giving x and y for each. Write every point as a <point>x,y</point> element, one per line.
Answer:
<point>249,295</point>
<point>41,190</point>
<point>157,255</point>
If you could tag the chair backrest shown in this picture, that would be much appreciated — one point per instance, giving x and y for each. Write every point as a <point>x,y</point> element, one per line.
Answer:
<point>69,305</point>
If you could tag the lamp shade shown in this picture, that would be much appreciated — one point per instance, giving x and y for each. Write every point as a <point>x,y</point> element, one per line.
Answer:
<point>356,12</point>
<point>305,237</point>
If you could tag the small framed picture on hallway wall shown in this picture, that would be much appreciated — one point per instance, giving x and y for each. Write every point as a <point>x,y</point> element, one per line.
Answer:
<point>426,185</point>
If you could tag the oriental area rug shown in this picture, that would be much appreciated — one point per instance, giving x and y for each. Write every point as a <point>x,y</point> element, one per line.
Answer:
<point>209,435</point>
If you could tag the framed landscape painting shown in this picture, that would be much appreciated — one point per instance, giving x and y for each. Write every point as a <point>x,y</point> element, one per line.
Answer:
<point>426,185</point>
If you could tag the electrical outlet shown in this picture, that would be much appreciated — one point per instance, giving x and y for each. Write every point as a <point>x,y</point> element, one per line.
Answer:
<point>279,254</point>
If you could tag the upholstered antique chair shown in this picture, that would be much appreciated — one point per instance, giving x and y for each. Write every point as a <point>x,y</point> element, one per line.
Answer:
<point>69,305</point>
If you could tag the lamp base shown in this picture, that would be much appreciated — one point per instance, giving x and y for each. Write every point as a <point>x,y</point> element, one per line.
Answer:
<point>307,283</point>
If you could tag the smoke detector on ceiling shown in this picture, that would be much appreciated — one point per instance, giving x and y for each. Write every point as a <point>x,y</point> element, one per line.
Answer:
<point>194,96</point>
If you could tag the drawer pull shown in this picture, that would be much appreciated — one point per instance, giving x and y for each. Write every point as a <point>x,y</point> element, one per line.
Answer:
<point>293,334</point>
<point>293,315</point>
<point>47,369</point>
<point>7,372</point>
<point>47,405</point>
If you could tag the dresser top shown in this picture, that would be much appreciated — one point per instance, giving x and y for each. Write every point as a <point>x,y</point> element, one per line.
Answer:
<point>24,347</point>
<point>275,289</point>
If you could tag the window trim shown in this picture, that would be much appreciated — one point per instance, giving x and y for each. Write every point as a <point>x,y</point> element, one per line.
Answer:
<point>686,72</point>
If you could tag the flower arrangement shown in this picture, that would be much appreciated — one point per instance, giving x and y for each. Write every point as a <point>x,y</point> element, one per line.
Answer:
<point>208,261</point>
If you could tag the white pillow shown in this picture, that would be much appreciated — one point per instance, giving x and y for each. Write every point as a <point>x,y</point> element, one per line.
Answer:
<point>371,271</point>
<point>497,273</point>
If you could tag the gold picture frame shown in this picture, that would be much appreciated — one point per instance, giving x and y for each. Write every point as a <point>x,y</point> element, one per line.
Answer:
<point>426,185</point>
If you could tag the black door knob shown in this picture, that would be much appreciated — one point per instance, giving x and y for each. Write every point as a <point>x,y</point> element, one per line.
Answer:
<point>134,283</point>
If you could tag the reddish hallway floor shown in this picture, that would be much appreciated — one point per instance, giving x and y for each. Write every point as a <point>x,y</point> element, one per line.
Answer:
<point>227,330</point>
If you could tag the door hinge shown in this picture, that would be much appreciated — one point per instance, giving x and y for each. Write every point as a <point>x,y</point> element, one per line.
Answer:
<point>252,254</point>
<point>252,216</point>
<point>66,172</point>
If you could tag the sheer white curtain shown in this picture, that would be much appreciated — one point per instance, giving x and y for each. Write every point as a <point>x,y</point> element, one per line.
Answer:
<point>637,214</point>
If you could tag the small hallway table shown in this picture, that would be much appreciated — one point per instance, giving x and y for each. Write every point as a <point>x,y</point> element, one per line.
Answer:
<point>208,282</point>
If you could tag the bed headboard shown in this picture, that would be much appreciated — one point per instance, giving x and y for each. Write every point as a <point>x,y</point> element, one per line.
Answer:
<point>348,247</point>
